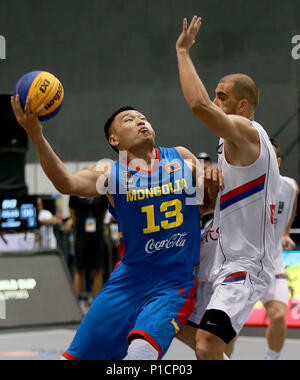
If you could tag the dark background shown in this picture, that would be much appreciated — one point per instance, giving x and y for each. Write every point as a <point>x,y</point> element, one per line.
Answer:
<point>110,53</point>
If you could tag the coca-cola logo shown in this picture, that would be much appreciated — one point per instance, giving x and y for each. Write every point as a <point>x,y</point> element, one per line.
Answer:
<point>177,240</point>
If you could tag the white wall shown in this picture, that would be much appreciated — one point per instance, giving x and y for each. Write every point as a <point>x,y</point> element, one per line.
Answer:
<point>38,182</point>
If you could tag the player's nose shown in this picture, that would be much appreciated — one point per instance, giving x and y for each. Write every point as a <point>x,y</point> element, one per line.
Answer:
<point>216,102</point>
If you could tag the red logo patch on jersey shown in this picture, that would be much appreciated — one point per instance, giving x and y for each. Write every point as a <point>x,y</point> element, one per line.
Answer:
<point>182,291</point>
<point>173,167</point>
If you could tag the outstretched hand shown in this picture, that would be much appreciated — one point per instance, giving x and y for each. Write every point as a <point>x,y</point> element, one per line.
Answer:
<point>27,119</point>
<point>187,38</point>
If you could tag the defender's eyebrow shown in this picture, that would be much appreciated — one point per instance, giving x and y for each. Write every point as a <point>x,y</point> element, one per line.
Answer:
<point>221,93</point>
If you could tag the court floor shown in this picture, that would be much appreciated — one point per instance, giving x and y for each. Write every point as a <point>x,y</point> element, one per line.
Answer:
<point>49,344</point>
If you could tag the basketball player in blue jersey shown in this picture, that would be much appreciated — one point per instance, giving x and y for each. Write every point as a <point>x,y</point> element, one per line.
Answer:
<point>151,293</point>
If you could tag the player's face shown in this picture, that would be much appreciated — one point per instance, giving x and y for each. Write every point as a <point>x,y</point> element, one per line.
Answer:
<point>225,98</point>
<point>130,129</point>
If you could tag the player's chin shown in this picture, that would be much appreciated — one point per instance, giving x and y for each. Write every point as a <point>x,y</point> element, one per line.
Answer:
<point>147,137</point>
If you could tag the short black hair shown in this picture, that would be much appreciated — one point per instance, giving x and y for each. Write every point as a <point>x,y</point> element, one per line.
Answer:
<point>110,120</point>
<point>277,146</point>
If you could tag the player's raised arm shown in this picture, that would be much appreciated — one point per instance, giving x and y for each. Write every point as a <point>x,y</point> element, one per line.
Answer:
<point>82,183</point>
<point>233,128</point>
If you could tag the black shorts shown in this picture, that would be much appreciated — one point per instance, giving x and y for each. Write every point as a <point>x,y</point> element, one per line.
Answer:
<point>89,251</point>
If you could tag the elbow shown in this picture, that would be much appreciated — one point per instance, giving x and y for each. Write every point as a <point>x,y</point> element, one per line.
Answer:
<point>199,106</point>
<point>64,189</point>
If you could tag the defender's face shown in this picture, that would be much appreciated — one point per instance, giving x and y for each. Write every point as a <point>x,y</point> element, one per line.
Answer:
<point>225,98</point>
<point>130,129</point>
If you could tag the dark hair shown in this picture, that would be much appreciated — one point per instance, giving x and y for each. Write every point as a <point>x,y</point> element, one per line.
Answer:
<point>277,147</point>
<point>110,121</point>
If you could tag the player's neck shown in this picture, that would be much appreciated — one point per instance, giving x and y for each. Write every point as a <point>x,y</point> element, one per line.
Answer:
<point>249,115</point>
<point>143,157</point>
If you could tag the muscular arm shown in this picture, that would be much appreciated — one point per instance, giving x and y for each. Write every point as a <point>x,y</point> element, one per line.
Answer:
<point>82,183</point>
<point>233,128</point>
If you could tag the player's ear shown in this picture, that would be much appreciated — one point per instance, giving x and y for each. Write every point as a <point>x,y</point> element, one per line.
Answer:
<point>114,141</point>
<point>243,105</point>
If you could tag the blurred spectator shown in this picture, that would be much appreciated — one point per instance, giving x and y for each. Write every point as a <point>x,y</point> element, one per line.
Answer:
<point>87,216</point>
<point>47,221</point>
<point>207,160</point>
<point>112,240</point>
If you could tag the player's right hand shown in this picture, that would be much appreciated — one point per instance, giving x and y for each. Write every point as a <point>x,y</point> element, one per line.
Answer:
<point>187,38</point>
<point>287,243</point>
<point>28,121</point>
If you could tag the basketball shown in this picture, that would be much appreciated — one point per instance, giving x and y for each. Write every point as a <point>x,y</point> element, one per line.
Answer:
<point>43,88</point>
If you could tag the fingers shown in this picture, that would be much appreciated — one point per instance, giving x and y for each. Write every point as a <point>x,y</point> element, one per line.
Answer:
<point>221,181</point>
<point>214,176</point>
<point>288,244</point>
<point>25,117</point>
<point>195,25</point>
<point>27,106</point>
<point>16,106</point>
<point>39,110</point>
<point>185,25</point>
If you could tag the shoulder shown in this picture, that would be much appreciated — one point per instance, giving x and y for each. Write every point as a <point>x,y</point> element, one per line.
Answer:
<point>245,127</point>
<point>185,153</point>
<point>296,186</point>
<point>291,182</point>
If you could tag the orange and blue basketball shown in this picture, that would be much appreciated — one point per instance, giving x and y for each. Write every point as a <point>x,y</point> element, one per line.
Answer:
<point>44,89</point>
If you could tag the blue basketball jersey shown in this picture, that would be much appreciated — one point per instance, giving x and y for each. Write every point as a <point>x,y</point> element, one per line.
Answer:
<point>158,217</point>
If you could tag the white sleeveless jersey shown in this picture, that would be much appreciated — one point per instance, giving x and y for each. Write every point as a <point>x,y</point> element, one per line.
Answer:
<point>283,214</point>
<point>241,236</point>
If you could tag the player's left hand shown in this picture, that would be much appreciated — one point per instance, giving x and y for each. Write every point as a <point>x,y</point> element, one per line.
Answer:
<point>288,244</point>
<point>187,38</point>
<point>213,182</point>
<point>213,178</point>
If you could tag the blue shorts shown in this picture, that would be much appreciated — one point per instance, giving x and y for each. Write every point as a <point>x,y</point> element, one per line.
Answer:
<point>135,301</point>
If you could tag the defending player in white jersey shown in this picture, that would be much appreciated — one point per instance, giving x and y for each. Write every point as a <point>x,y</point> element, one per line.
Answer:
<point>236,264</point>
<point>276,297</point>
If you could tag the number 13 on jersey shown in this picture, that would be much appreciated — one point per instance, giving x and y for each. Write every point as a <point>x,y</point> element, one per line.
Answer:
<point>166,224</point>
